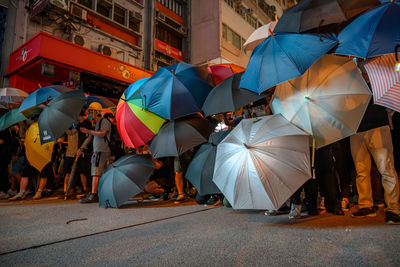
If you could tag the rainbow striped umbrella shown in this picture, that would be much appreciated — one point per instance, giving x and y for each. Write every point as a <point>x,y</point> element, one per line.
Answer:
<point>136,126</point>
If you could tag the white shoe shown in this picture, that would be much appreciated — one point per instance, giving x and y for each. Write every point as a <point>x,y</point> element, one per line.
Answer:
<point>19,196</point>
<point>295,211</point>
<point>38,195</point>
<point>4,195</point>
<point>271,212</point>
<point>12,192</point>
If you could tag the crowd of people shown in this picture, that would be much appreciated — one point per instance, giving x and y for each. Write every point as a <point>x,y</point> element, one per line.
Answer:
<point>344,171</point>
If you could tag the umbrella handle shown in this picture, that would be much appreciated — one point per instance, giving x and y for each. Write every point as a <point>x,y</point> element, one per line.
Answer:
<point>395,51</point>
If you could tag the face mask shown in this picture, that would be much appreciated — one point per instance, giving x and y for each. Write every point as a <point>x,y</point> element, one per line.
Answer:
<point>90,117</point>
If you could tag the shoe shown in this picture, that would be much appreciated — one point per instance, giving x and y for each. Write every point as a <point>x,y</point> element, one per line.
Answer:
<point>337,211</point>
<point>12,192</point>
<point>180,199</point>
<point>322,204</point>
<point>91,198</point>
<point>345,204</point>
<point>19,196</point>
<point>295,211</point>
<point>211,200</point>
<point>379,204</point>
<point>4,195</point>
<point>392,218</point>
<point>38,195</point>
<point>271,212</point>
<point>370,212</point>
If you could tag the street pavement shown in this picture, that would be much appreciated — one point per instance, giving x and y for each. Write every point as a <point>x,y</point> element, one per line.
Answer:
<point>54,232</point>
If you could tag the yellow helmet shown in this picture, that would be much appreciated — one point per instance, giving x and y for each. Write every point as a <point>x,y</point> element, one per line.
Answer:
<point>95,106</point>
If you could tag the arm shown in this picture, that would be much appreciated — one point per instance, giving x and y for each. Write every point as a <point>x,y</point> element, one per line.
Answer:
<point>83,146</point>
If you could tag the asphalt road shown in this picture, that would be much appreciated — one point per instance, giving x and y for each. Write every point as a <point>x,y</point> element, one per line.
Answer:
<point>54,232</point>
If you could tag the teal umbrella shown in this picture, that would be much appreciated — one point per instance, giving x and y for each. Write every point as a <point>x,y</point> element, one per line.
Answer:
<point>10,118</point>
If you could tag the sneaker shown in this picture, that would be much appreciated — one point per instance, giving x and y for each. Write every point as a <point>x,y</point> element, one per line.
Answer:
<point>4,195</point>
<point>38,195</point>
<point>345,204</point>
<point>91,198</point>
<point>180,198</point>
<point>370,212</point>
<point>392,218</point>
<point>19,196</point>
<point>211,200</point>
<point>295,211</point>
<point>12,192</point>
<point>271,212</point>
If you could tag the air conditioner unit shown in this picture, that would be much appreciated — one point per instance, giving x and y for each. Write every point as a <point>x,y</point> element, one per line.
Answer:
<point>161,16</point>
<point>80,40</point>
<point>138,15</point>
<point>78,12</point>
<point>108,51</point>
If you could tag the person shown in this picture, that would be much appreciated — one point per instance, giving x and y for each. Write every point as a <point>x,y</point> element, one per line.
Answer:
<point>374,138</point>
<point>101,149</point>
<point>181,164</point>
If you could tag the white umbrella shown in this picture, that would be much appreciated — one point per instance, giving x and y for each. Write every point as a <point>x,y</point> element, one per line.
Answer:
<point>262,162</point>
<point>12,95</point>
<point>328,101</point>
<point>259,35</point>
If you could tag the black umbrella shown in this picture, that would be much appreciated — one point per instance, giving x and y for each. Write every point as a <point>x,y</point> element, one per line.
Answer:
<point>313,14</point>
<point>59,115</point>
<point>124,178</point>
<point>201,170</point>
<point>71,178</point>
<point>178,136</point>
<point>228,97</point>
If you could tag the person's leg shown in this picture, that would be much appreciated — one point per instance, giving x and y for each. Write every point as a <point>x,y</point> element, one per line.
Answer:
<point>95,183</point>
<point>22,189</point>
<point>179,185</point>
<point>66,179</point>
<point>84,182</point>
<point>42,184</point>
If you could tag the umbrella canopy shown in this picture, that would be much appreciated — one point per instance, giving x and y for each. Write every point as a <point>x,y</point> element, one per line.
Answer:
<point>259,35</point>
<point>12,95</point>
<point>328,101</point>
<point>37,154</point>
<point>123,179</point>
<point>385,81</point>
<point>282,57</point>
<point>313,14</point>
<point>10,118</point>
<point>59,115</point>
<point>262,162</point>
<point>201,169</point>
<point>134,87</point>
<point>42,95</point>
<point>220,72</point>
<point>103,101</point>
<point>374,33</point>
<point>176,91</point>
<point>228,97</point>
<point>136,126</point>
<point>178,136</point>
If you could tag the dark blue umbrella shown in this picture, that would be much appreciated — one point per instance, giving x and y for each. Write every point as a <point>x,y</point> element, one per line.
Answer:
<point>374,33</point>
<point>176,91</point>
<point>201,169</point>
<point>124,178</point>
<point>282,57</point>
<point>42,95</point>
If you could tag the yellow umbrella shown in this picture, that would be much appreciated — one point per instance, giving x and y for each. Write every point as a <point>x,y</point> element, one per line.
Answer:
<point>37,154</point>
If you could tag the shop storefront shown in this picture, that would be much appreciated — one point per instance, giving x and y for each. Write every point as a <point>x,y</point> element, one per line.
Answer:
<point>45,60</point>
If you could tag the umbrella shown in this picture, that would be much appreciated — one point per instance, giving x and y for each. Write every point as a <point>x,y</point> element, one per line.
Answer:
<point>71,178</point>
<point>123,179</point>
<point>374,33</point>
<point>42,95</point>
<point>134,87</point>
<point>136,126</point>
<point>12,95</point>
<point>176,91</point>
<point>385,81</point>
<point>103,101</point>
<point>313,14</point>
<point>259,35</point>
<point>178,136</point>
<point>10,118</point>
<point>262,162</point>
<point>201,169</point>
<point>282,57</point>
<point>59,115</point>
<point>228,97</point>
<point>37,154</point>
<point>328,101</point>
<point>220,72</point>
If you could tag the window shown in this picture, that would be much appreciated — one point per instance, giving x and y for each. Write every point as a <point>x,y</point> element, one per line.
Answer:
<point>232,37</point>
<point>230,2</point>
<point>168,38</point>
<point>119,15</point>
<point>251,20</point>
<point>104,8</point>
<point>86,3</point>
<point>133,23</point>
<point>174,5</point>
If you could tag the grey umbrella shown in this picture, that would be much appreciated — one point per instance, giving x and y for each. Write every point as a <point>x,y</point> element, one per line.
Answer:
<point>201,170</point>
<point>59,115</point>
<point>228,97</point>
<point>180,135</point>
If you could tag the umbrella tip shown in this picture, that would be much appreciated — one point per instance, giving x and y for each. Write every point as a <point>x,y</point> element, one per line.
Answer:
<point>307,98</point>
<point>247,146</point>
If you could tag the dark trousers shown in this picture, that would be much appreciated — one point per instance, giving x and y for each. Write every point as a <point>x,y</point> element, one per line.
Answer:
<point>311,195</point>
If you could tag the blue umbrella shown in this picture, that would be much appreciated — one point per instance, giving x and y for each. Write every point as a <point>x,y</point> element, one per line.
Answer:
<point>374,33</point>
<point>124,178</point>
<point>103,101</point>
<point>176,91</point>
<point>201,169</point>
<point>42,95</point>
<point>282,57</point>
<point>134,87</point>
<point>10,118</point>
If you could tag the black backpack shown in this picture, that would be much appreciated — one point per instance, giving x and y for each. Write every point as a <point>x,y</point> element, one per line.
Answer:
<point>115,141</point>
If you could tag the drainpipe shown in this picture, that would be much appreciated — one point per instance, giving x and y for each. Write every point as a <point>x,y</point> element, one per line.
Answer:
<point>149,26</point>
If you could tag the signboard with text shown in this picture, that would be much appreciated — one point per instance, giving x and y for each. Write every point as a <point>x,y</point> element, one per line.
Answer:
<point>167,49</point>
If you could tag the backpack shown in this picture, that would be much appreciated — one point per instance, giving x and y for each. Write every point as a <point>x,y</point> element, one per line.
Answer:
<point>115,141</point>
